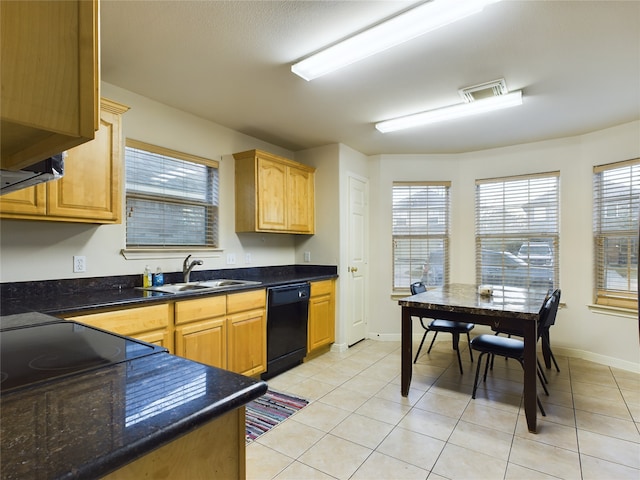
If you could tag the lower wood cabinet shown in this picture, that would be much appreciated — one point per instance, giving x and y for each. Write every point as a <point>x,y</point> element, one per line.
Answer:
<point>149,323</point>
<point>247,341</point>
<point>214,450</point>
<point>224,331</point>
<point>322,320</point>
<point>201,330</point>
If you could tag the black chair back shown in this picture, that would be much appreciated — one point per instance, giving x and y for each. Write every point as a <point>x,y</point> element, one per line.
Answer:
<point>548,311</point>
<point>417,287</point>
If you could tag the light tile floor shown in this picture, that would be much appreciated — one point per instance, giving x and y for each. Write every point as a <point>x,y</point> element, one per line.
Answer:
<point>358,426</point>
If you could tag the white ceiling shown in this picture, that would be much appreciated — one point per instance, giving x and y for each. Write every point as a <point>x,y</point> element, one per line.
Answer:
<point>577,63</point>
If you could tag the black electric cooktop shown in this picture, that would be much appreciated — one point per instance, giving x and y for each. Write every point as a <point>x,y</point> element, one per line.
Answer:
<point>40,353</point>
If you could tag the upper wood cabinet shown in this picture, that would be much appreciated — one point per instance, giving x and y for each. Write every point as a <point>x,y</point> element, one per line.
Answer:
<point>273,194</point>
<point>90,190</point>
<point>49,71</point>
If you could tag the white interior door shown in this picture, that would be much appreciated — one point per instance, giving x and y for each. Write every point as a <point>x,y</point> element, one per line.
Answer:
<point>357,266</point>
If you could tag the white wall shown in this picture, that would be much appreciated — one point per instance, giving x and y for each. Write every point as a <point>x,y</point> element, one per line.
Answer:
<point>35,250</point>
<point>579,331</point>
<point>324,246</point>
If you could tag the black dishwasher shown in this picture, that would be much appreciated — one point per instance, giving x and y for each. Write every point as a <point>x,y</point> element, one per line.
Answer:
<point>287,318</point>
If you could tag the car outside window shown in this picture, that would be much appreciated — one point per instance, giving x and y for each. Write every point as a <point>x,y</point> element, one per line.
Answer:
<point>536,253</point>
<point>517,231</point>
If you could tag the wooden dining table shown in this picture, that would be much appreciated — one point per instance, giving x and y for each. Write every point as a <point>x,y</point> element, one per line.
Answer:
<point>512,308</point>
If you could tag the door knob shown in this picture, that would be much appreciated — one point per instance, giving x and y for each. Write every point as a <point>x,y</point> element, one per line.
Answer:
<point>352,269</point>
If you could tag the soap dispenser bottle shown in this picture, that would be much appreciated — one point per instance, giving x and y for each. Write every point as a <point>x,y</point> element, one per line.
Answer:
<point>146,277</point>
<point>158,278</point>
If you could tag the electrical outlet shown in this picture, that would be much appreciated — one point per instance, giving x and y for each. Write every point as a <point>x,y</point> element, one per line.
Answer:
<point>307,257</point>
<point>247,258</point>
<point>231,258</point>
<point>79,264</point>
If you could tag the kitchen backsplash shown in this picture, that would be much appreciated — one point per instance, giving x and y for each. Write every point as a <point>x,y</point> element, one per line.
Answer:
<point>12,290</point>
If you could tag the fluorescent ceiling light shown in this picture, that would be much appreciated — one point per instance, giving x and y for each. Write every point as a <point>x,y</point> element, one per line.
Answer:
<point>406,26</point>
<point>455,111</point>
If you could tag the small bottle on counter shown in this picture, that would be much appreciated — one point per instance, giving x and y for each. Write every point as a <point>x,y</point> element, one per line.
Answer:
<point>146,277</point>
<point>158,278</point>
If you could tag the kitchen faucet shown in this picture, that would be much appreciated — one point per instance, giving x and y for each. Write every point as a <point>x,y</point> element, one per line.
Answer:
<point>187,267</point>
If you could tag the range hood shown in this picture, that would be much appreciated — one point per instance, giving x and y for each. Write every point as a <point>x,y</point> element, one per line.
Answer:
<point>50,169</point>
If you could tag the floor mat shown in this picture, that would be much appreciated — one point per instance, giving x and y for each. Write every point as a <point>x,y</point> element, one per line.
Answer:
<point>269,410</point>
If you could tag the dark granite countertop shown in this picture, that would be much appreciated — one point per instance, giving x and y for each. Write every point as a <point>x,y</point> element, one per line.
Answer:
<point>88,424</point>
<point>57,297</point>
<point>511,302</point>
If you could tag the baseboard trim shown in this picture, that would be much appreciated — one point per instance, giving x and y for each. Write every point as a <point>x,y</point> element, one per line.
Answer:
<point>339,347</point>
<point>567,352</point>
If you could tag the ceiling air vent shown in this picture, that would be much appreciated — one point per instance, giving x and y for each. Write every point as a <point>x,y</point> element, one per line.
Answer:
<point>484,90</point>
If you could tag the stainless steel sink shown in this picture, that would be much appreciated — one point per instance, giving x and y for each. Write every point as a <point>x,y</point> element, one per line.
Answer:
<point>207,285</point>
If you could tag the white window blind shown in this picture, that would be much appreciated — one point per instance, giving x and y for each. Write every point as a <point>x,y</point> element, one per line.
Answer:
<point>616,208</point>
<point>420,233</point>
<point>517,231</point>
<point>171,198</point>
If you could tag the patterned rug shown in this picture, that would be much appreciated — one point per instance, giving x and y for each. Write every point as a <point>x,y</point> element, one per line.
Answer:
<point>269,410</point>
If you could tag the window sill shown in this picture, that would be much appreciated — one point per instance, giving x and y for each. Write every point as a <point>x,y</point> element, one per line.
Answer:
<point>398,296</point>
<point>160,253</point>
<point>615,311</point>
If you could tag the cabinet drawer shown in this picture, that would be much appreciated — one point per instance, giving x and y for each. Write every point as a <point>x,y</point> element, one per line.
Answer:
<point>129,321</point>
<point>324,287</point>
<point>200,308</point>
<point>239,302</point>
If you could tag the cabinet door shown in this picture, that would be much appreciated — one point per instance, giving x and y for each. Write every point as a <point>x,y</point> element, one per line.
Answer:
<point>300,200</point>
<point>320,331</point>
<point>161,338</point>
<point>28,201</point>
<point>203,342</point>
<point>247,342</point>
<point>90,189</point>
<point>321,315</point>
<point>272,184</point>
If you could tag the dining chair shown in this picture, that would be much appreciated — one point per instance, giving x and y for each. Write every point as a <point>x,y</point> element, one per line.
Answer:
<point>438,325</point>
<point>491,345</point>
<point>543,335</point>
